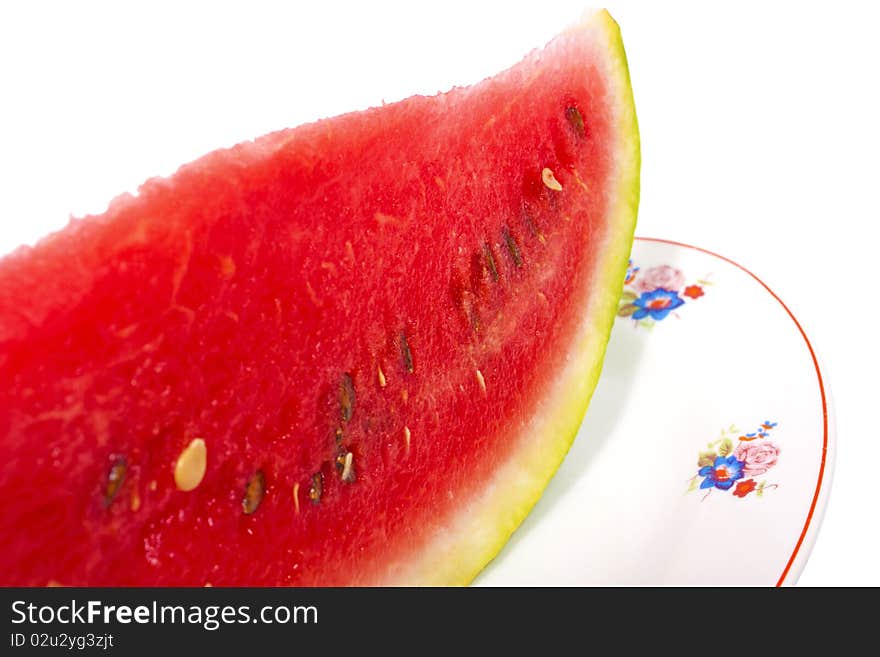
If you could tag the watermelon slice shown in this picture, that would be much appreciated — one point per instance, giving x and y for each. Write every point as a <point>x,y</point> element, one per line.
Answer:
<point>349,353</point>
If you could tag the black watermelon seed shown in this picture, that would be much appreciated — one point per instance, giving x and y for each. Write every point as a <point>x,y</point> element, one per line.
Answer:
<point>490,262</point>
<point>347,397</point>
<point>406,353</point>
<point>576,121</point>
<point>512,248</point>
<point>253,494</point>
<point>317,488</point>
<point>115,479</point>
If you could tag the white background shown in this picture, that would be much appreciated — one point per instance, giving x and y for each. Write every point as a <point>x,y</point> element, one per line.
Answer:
<point>759,130</point>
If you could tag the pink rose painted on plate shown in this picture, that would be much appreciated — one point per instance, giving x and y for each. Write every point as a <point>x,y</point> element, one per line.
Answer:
<point>757,457</point>
<point>662,277</point>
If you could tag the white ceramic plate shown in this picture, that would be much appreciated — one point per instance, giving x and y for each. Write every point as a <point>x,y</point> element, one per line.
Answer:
<point>705,457</point>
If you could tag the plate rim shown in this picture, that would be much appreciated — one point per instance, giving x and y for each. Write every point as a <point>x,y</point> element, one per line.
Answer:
<point>819,502</point>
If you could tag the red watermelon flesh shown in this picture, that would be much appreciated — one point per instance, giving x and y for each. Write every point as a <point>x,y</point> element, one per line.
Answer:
<point>382,328</point>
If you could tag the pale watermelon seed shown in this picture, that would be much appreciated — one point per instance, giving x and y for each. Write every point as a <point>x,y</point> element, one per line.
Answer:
<point>550,180</point>
<point>348,468</point>
<point>481,380</point>
<point>191,465</point>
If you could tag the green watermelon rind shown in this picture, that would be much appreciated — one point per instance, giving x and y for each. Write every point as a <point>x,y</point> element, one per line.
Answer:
<point>482,529</point>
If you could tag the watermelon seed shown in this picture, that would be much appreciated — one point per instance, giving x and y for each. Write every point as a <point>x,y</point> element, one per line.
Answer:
<point>347,397</point>
<point>115,479</point>
<point>464,297</point>
<point>406,353</point>
<point>512,247</point>
<point>345,463</point>
<point>191,465</point>
<point>253,495</point>
<point>580,182</point>
<point>338,436</point>
<point>135,501</point>
<point>317,488</point>
<point>406,438</point>
<point>550,180</point>
<point>481,381</point>
<point>381,377</point>
<point>533,229</point>
<point>576,121</point>
<point>490,262</point>
<point>475,321</point>
<point>296,497</point>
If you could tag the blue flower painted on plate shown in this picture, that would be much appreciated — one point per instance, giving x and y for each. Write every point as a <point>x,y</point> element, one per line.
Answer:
<point>630,272</point>
<point>723,474</point>
<point>656,304</point>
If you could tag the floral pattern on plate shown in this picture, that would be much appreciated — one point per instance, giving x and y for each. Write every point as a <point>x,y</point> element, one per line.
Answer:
<point>735,467</point>
<point>651,295</point>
